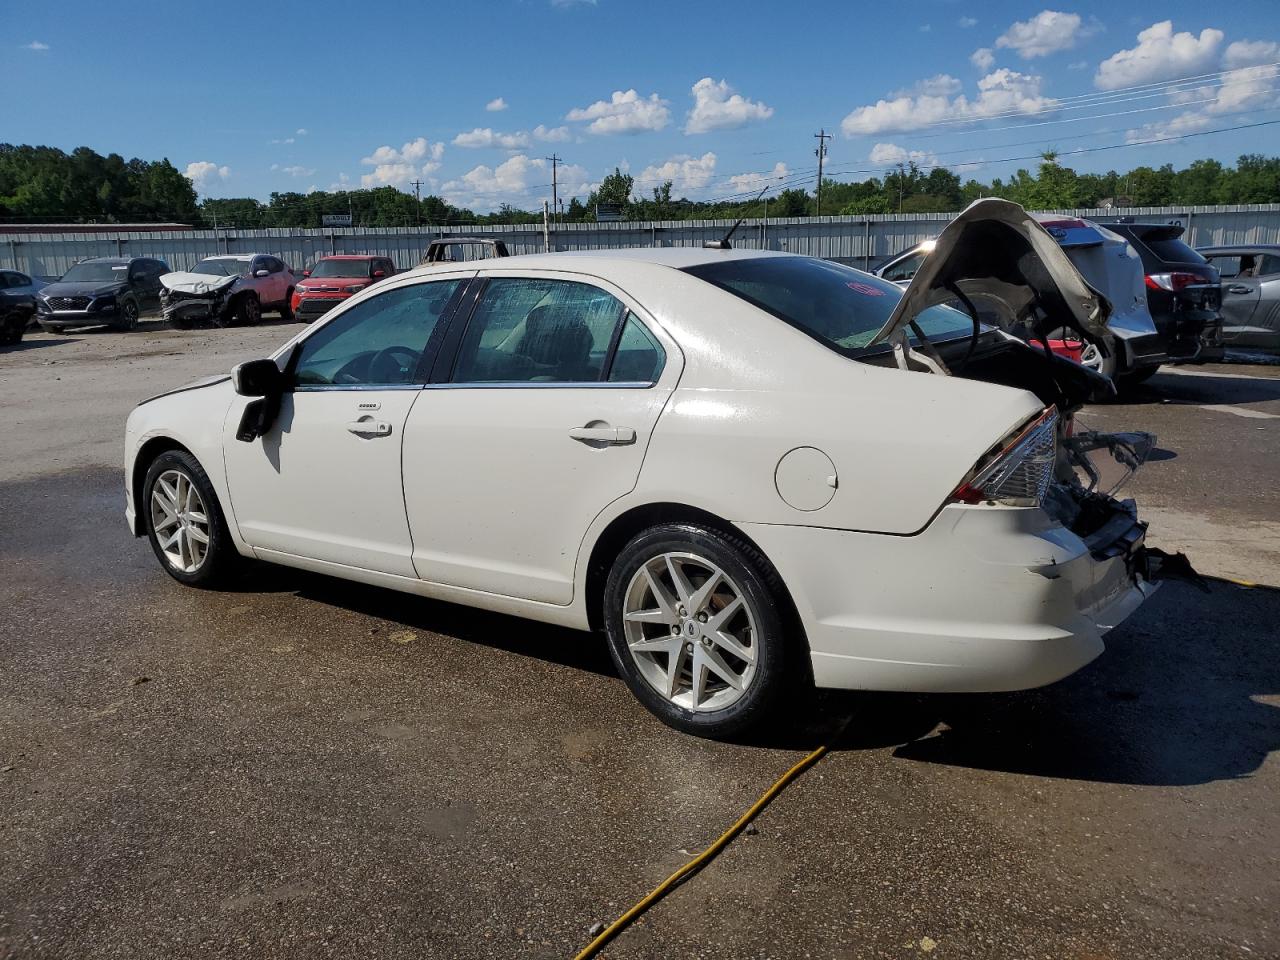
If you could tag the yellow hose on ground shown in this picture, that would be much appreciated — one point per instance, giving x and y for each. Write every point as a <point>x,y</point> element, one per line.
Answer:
<point>701,860</point>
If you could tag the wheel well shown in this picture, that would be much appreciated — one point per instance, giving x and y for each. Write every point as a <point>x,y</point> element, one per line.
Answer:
<point>141,463</point>
<point>623,528</point>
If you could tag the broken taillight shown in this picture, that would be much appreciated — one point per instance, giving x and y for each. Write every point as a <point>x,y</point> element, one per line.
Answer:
<point>1173,282</point>
<point>1020,472</point>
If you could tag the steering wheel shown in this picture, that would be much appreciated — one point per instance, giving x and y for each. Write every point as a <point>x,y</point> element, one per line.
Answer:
<point>393,364</point>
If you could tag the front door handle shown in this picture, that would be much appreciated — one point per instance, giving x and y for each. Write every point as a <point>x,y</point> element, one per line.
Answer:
<point>603,434</point>
<point>1239,288</point>
<point>369,428</point>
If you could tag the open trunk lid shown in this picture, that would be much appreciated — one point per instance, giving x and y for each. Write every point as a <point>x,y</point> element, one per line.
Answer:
<point>997,253</point>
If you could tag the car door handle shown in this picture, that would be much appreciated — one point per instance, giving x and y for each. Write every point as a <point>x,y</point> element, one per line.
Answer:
<point>369,428</point>
<point>602,434</point>
<point>1239,288</point>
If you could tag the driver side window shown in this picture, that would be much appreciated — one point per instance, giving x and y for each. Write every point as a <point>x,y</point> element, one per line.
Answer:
<point>375,343</point>
<point>901,272</point>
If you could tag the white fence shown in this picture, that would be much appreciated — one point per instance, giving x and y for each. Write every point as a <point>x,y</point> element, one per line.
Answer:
<point>861,241</point>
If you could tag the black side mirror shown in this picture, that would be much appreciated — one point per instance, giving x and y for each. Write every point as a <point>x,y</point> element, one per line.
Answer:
<point>257,378</point>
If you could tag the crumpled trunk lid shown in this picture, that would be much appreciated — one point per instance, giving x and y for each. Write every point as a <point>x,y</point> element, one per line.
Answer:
<point>998,254</point>
<point>196,284</point>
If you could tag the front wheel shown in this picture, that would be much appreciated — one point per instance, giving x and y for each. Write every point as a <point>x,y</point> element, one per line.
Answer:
<point>697,628</point>
<point>185,523</point>
<point>12,328</point>
<point>286,308</point>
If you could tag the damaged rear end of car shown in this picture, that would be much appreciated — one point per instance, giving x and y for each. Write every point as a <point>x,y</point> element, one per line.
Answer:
<point>190,298</point>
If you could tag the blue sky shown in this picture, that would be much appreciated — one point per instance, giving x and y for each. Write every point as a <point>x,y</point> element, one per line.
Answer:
<point>470,97</point>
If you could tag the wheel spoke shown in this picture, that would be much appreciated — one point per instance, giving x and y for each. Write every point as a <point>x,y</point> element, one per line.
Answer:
<point>169,491</point>
<point>166,544</point>
<point>699,687</point>
<point>683,587</point>
<point>198,535</point>
<point>197,515</point>
<point>723,616</point>
<point>723,638</point>
<point>657,615</point>
<point>667,644</point>
<point>665,601</point>
<point>674,663</point>
<point>698,601</point>
<point>721,669</point>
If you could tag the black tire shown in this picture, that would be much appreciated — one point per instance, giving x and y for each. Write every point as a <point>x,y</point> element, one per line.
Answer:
<point>57,331</point>
<point>286,308</point>
<point>781,666</point>
<point>12,328</point>
<point>129,313</point>
<point>245,309</point>
<point>220,559</point>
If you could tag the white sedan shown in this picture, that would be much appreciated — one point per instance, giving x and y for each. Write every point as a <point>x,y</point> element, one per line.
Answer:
<point>755,472</point>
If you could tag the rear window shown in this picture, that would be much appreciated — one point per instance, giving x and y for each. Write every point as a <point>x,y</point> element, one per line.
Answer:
<point>1172,249</point>
<point>838,306</point>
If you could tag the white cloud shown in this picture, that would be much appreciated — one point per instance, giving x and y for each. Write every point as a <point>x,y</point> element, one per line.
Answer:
<point>495,105</point>
<point>1001,92</point>
<point>1246,88</point>
<point>37,46</point>
<point>301,131</point>
<point>1160,54</point>
<point>890,154</point>
<point>982,58</point>
<point>755,182</point>
<point>203,174</point>
<point>624,112</point>
<point>967,22</point>
<point>485,137</point>
<point>717,107</point>
<point>551,134</point>
<point>396,168</point>
<point>1047,32</point>
<point>517,180</point>
<point>686,173</point>
<point>295,171</point>
<point>1248,53</point>
<point>283,140</point>
<point>939,85</point>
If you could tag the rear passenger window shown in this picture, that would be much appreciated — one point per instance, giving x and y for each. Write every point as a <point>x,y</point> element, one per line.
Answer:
<point>538,331</point>
<point>639,358</point>
<point>1270,264</point>
<point>1228,267</point>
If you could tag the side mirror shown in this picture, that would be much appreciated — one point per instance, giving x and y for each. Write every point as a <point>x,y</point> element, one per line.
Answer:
<point>261,273</point>
<point>257,378</point>
<point>306,273</point>
<point>379,273</point>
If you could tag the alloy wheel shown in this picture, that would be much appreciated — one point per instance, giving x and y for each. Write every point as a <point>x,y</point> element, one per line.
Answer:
<point>129,309</point>
<point>180,521</point>
<point>690,631</point>
<point>1091,357</point>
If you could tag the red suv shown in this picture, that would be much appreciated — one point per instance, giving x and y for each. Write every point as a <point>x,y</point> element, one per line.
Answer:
<point>334,279</point>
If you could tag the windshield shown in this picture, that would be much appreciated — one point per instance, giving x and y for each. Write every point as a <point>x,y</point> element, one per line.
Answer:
<point>838,306</point>
<point>343,268</point>
<point>101,270</point>
<point>221,268</point>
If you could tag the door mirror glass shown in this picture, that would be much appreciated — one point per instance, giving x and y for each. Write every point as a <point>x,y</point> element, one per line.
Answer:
<point>260,272</point>
<point>379,273</point>
<point>257,378</point>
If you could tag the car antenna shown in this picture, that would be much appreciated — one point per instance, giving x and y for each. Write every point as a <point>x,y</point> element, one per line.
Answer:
<point>723,243</point>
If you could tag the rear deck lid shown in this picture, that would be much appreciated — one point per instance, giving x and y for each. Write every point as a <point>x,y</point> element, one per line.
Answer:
<point>997,252</point>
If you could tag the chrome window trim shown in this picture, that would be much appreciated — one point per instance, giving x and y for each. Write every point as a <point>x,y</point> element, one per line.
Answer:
<point>359,387</point>
<point>541,385</point>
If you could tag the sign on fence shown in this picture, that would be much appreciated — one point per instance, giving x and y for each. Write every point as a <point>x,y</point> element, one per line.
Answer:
<point>335,220</point>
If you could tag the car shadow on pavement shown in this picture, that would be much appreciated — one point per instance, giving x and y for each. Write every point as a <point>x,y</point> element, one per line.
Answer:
<point>28,344</point>
<point>1202,388</point>
<point>1177,699</point>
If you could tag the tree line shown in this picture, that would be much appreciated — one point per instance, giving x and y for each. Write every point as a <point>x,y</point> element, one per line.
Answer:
<point>44,184</point>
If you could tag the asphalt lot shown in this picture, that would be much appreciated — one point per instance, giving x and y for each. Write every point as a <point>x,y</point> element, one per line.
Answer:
<point>303,767</point>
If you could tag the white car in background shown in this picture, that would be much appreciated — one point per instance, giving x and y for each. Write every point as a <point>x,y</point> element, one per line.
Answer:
<point>228,289</point>
<point>1131,346</point>
<point>753,471</point>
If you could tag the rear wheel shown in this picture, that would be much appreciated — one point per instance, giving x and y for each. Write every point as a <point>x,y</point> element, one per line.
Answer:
<point>185,523</point>
<point>697,628</point>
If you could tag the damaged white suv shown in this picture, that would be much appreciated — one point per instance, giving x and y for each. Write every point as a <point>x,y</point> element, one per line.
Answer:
<point>228,289</point>
<point>752,471</point>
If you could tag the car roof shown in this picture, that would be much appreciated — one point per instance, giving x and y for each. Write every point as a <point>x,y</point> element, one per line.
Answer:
<point>354,256</point>
<point>677,258</point>
<point>113,259</point>
<point>236,256</point>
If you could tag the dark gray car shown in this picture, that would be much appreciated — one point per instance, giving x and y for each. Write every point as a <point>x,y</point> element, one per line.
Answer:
<point>17,304</point>
<point>1250,294</point>
<point>105,290</point>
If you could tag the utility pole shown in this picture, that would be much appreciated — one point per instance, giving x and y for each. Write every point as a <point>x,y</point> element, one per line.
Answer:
<point>902,178</point>
<point>554,181</point>
<point>822,138</point>
<point>417,204</point>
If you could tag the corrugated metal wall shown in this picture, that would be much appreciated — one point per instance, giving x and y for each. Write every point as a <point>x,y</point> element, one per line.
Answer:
<point>858,240</point>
